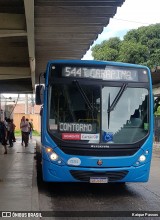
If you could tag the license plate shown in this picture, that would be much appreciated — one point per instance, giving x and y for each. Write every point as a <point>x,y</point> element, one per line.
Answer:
<point>98,180</point>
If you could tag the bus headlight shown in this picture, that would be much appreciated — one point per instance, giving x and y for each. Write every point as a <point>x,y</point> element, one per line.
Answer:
<point>53,156</point>
<point>142,158</point>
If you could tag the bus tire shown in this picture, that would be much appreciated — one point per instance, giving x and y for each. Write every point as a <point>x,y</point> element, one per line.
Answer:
<point>121,183</point>
<point>39,165</point>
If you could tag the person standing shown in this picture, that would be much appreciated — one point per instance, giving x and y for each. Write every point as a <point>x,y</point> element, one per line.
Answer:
<point>3,136</point>
<point>21,133</point>
<point>6,121</point>
<point>24,125</point>
<point>31,128</point>
<point>9,132</point>
<point>13,126</point>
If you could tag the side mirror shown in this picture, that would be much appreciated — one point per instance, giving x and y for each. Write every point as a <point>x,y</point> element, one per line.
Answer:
<point>39,94</point>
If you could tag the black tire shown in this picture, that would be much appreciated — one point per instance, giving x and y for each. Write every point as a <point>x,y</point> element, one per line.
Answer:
<point>39,166</point>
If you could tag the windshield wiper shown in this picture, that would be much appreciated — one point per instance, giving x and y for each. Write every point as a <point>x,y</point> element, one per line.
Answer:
<point>84,96</point>
<point>108,111</point>
<point>115,101</point>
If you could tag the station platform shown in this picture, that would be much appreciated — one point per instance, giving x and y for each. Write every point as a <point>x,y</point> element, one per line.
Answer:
<point>18,182</point>
<point>18,177</point>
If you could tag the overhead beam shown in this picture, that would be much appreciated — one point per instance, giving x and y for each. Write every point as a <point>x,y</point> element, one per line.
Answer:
<point>69,36</point>
<point>70,29</point>
<point>14,72</point>
<point>77,3</point>
<point>12,21</point>
<point>47,42</point>
<point>12,25</point>
<point>71,10</point>
<point>12,33</point>
<point>29,13</point>
<point>72,20</point>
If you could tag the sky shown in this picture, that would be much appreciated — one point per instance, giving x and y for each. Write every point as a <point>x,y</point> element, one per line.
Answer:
<point>131,15</point>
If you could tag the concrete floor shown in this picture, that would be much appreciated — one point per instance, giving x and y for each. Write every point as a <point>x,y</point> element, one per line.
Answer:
<point>19,191</point>
<point>18,187</point>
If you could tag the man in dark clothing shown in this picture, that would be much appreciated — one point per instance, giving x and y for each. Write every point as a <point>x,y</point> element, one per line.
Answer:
<point>24,125</point>
<point>11,128</point>
<point>3,133</point>
<point>31,128</point>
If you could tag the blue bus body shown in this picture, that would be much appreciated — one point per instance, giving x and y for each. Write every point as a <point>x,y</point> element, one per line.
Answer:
<point>108,159</point>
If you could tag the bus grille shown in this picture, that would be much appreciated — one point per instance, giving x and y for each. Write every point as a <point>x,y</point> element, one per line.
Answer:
<point>99,152</point>
<point>111,175</point>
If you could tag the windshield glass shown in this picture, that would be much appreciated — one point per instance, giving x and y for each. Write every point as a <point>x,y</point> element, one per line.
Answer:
<point>128,121</point>
<point>83,113</point>
<point>75,112</point>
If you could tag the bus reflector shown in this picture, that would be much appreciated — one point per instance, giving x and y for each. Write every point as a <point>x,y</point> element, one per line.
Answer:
<point>49,150</point>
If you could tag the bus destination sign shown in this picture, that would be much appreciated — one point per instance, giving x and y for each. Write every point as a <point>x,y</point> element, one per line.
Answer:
<point>106,73</point>
<point>77,127</point>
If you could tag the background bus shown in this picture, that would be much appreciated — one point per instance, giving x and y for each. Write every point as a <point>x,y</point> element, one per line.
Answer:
<point>97,122</point>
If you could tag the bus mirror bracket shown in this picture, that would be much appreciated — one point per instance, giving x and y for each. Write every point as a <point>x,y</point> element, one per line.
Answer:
<point>39,94</point>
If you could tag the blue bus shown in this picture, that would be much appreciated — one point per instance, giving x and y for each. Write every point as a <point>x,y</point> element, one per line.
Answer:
<point>97,122</point>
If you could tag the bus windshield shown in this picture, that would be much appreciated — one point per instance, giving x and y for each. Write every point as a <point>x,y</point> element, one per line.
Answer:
<point>89,113</point>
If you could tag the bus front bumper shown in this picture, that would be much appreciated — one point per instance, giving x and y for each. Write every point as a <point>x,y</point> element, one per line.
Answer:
<point>57,173</point>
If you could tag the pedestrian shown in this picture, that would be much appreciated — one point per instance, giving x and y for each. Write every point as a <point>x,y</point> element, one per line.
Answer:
<point>6,125</point>
<point>5,121</point>
<point>13,135</point>
<point>9,133</point>
<point>21,133</point>
<point>31,128</point>
<point>24,125</point>
<point>11,128</point>
<point>3,135</point>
